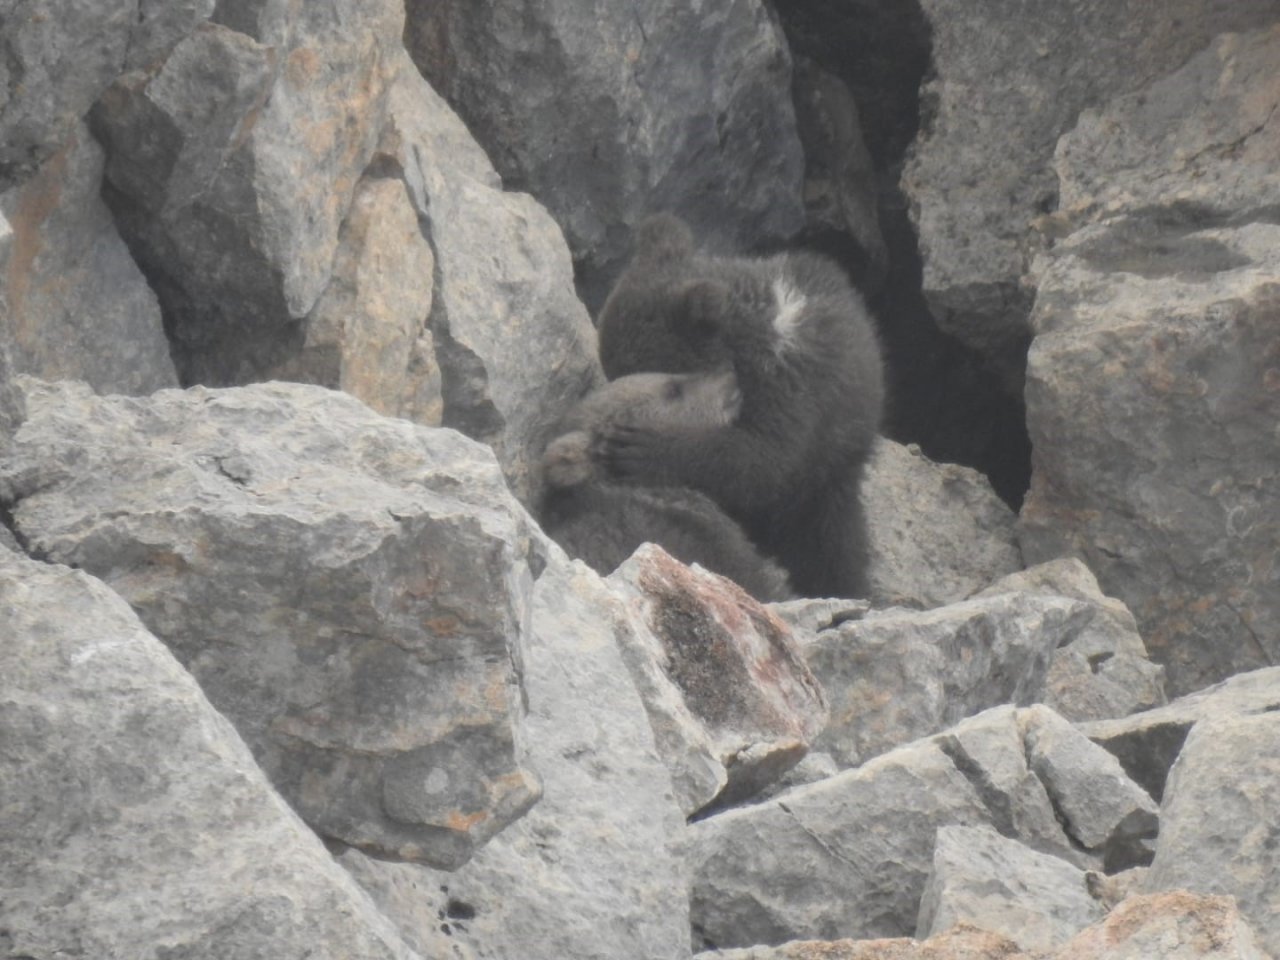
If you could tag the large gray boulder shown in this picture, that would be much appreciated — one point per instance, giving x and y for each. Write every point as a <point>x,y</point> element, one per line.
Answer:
<point>1158,321</point>
<point>352,591</point>
<point>77,307</point>
<point>1009,78</point>
<point>1188,926</point>
<point>136,822</point>
<point>607,112</point>
<point>55,61</point>
<point>596,869</point>
<point>1220,818</point>
<point>936,532</point>
<point>897,675</point>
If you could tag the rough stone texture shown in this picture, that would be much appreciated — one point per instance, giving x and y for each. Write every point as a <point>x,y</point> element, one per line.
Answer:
<point>1176,926</point>
<point>1148,743</point>
<point>515,347</point>
<point>898,675</point>
<point>962,943</point>
<point>336,581</point>
<point>231,167</point>
<point>136,823</point>
<point>990,750</point>
<point>1103,671</point>
<point>845,857</point>
<point>368,333</point>
<point>730,699</point>
<point>55,62</point>
<point>936,532</point>
<point>1100,807</point>
<point>1151,391</point>
<point>1038,901</point>
<point>596,868</point>
<point>1220,819</point>
<point>78,308</point>
<point>1009,78</point>
<point>608,112</point>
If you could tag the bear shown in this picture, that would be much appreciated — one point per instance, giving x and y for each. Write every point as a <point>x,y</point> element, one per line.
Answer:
<point>806,360</point>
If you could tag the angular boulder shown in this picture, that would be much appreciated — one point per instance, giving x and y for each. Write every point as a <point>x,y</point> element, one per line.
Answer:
<point>352,591</point>
<point>1178,924</point>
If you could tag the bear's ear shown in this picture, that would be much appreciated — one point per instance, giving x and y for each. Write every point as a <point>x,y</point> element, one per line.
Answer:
<point>702,310</point>
<point>663,238</point>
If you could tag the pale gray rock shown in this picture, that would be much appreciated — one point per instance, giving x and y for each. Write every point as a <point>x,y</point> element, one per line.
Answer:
<point>990,750</point>
<point>1178,926</point>
<point>232,165</point>
<point>815,615</point>
<point>997,884</point>
<point>1009,77</point>
<point>1100,807</point>
<point>55,61</point>
<point>514,345</point>
<point>1148,743</point>
<point>606,113</point>
<point>963,943</point>
<point>1159,322</point>
<point>1102,671</point>
<point>1221,816</point>
<point>340,584</point>
<point>730,699</point>
<point>78,308</point>
<point>935,532</point>
<point>844,857</point>
<point>136,821</point>
<point>596,869</point>
<point>898,675</point>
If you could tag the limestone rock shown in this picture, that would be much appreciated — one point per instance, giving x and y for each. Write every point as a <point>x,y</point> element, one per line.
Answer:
<point>1148,743</point>
<point>55,63</point>
<point>1009,78</point>
<point>514,345</point>
<point>1178,924</point>
<point>897,675</point>
<point>338,583</point>
<point>596,868</point>
<point>1159,322</point>
<point>232,165</point>
<point>962,943</point>
<point>1101,808</point>
<point>936,532</point>
<point>844,857</point>
<point>1220,818</point>
<point>606,113</point>
<point>136,822</point>
<point>731,701</point>
<point>979,877</point>
<point>78,308</point>
<point>1103,671</point>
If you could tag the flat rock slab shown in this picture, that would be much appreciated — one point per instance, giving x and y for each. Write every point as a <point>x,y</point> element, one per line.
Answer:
<point>352,591</point>
<point>137,823</point>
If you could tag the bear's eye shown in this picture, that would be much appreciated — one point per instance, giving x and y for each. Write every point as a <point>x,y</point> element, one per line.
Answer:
<point>674,389</point>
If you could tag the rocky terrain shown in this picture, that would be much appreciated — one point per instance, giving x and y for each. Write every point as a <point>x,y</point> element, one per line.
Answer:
<point>291,295</point>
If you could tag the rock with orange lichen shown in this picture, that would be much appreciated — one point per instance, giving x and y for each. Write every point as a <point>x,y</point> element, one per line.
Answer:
<point>1179,924</point>
<point>728,693</point>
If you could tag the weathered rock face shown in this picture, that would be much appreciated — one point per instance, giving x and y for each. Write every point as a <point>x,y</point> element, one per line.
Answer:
<point>1150,391</point>
<point>136,821</point>
<point>77,306</point>
<point>898,675</point>
<point>606,113</point>
<point>1221,817</point>
<point>1010,78</point>
<point>337,583</point>
<point>730,699</point>
<point>963,943</point>
<point>1103,670</point>
<point>1148,743</point>
<point>596,868</point>
<point>56,64</point>
<point>935,532</point>
<point>1178,924</point>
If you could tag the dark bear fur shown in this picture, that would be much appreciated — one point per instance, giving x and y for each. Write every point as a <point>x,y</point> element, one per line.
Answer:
<point>808,367</point>
<point>602,523</point>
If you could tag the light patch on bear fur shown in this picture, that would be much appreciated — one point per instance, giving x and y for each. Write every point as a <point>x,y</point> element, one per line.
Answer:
<point>791,303</point>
